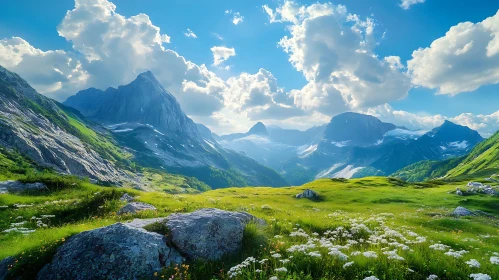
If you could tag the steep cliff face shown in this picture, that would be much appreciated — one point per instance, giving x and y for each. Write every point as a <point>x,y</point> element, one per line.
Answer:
<point>52,135</point>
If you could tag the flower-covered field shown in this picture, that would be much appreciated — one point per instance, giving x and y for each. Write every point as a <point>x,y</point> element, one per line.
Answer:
<point>372,228</point>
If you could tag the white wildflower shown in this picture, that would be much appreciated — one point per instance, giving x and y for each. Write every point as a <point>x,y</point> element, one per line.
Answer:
<point>494,260</point>
<point>315,254</point>
<point>347,264</point>
<point>276,255</point>
<point>285,261</point>
<point>432,277</point>
<point>273,278</point>
<point>371,278</point>
<point>439,247</point>
<point>480,276</point>
<point>473,263</point>
<point>281,269</point>
<point>370,254</point>
<point>456,254</point>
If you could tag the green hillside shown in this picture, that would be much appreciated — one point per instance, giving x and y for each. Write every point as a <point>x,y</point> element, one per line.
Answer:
<point>425,170</point>
<point>411,217</point>
<point>483,159</point>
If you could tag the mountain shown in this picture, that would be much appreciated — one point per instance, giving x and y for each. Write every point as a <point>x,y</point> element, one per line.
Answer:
<point>356,145</point>
<point>55,136</point>
<point>484,159</point>
<point>270,146</point>
<point>356,129</point>
<point>148,120</point>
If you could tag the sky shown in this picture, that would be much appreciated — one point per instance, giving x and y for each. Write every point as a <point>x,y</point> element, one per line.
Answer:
<point>294,64</point>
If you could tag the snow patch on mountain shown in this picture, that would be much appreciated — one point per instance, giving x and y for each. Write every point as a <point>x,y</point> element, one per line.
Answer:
<point>304,151</point>
<point>459,145</point>
<point>347,172</point>
<point>327,172</point>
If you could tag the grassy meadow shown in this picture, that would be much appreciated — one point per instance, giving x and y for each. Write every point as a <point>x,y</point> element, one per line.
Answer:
<point>360,228</point>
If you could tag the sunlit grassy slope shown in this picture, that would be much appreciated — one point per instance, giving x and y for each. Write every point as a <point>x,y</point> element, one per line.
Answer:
<point>383,205</point>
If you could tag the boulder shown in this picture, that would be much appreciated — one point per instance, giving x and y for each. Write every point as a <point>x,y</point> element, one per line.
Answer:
<point>458,191</point>
<point>134,207</point>
<point>17,187</point>
<point>127,198</point>
<point>308,194</point>
<point>461,211</point>
<point>4,267</point>
<point>209,233</point>
<point>142,223</point>
<point>117,251</point>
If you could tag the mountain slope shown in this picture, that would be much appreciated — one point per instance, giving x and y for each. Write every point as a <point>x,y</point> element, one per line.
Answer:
<point>55,136</point>
<point>148,120</point>
<point>425,170</point>
<point>484,158</point>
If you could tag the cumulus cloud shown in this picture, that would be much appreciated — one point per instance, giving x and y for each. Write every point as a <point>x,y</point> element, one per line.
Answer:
<point>406,4</point>
<point>259,97</point>
<point>334,50</point>
<point>190,34</point>
<point>52,72</point>
<point>221,54</point>
<point>485,124</point>
<point>463,60</point>
<point>112,50</point>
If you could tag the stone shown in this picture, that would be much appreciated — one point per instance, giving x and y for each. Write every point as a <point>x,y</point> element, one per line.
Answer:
<point>134,207</point>
<point>127,198</point>
<point>208,234</point>
<point>307,194</point>
<point>141,223</point>
<point>4,267</point>
<point>458,191</point>
<point>17,187</point>
<point>117,251</point>
<point>461,212</point>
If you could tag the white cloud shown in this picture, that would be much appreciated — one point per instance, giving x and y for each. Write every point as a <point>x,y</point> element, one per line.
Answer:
<point>218,36</point>
<point>190,34</point>
<point>485,124</point>
<point>238,18</point>
<point>406,4</point>
<point>335,52</point>
<point>463,60</point>
<point>53,73</point>
<point>113,50</point>
<point>221,54</point>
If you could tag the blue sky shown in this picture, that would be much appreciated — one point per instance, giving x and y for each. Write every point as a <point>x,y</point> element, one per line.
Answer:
<point>397,32</point>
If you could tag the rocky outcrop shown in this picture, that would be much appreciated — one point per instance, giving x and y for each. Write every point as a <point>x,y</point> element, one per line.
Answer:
<point>114,252</point>
<point>462,212</point>
<point>208,233</point>
<point>126,198</point>
<point>17,187</point>
<point>310,194</point>
<point>134,207</point>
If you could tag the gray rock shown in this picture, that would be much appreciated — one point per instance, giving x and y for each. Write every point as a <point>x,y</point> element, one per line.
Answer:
<point>458,191</point>
<point>461,211</point>
<point>209,233</point>
<point>117,251</point>
<point>308,194</point>
<point>127,198</point>
<point>4,267</point>
<point>141,223</point>
<point>134,207</point>
<point>16,186</point>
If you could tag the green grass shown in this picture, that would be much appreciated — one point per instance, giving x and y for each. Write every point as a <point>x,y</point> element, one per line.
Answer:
<point>401,206</point>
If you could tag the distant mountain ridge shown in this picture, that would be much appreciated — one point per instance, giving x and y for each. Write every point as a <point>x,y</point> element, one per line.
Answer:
<point>148,120</point>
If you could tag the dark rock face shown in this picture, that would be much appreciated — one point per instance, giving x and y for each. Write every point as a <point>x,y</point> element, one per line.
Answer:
<point>208,233</point>
<point>356,128</point>
<point>114,252</point>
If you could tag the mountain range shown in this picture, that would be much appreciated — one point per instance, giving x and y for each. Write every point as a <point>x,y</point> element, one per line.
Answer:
<point>147,120</point>
<point>353,145</point>
<point>102,133</point>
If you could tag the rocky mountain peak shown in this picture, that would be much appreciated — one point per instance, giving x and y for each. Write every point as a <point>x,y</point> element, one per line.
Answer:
<point>450,131</point>
<point>258,129</point>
